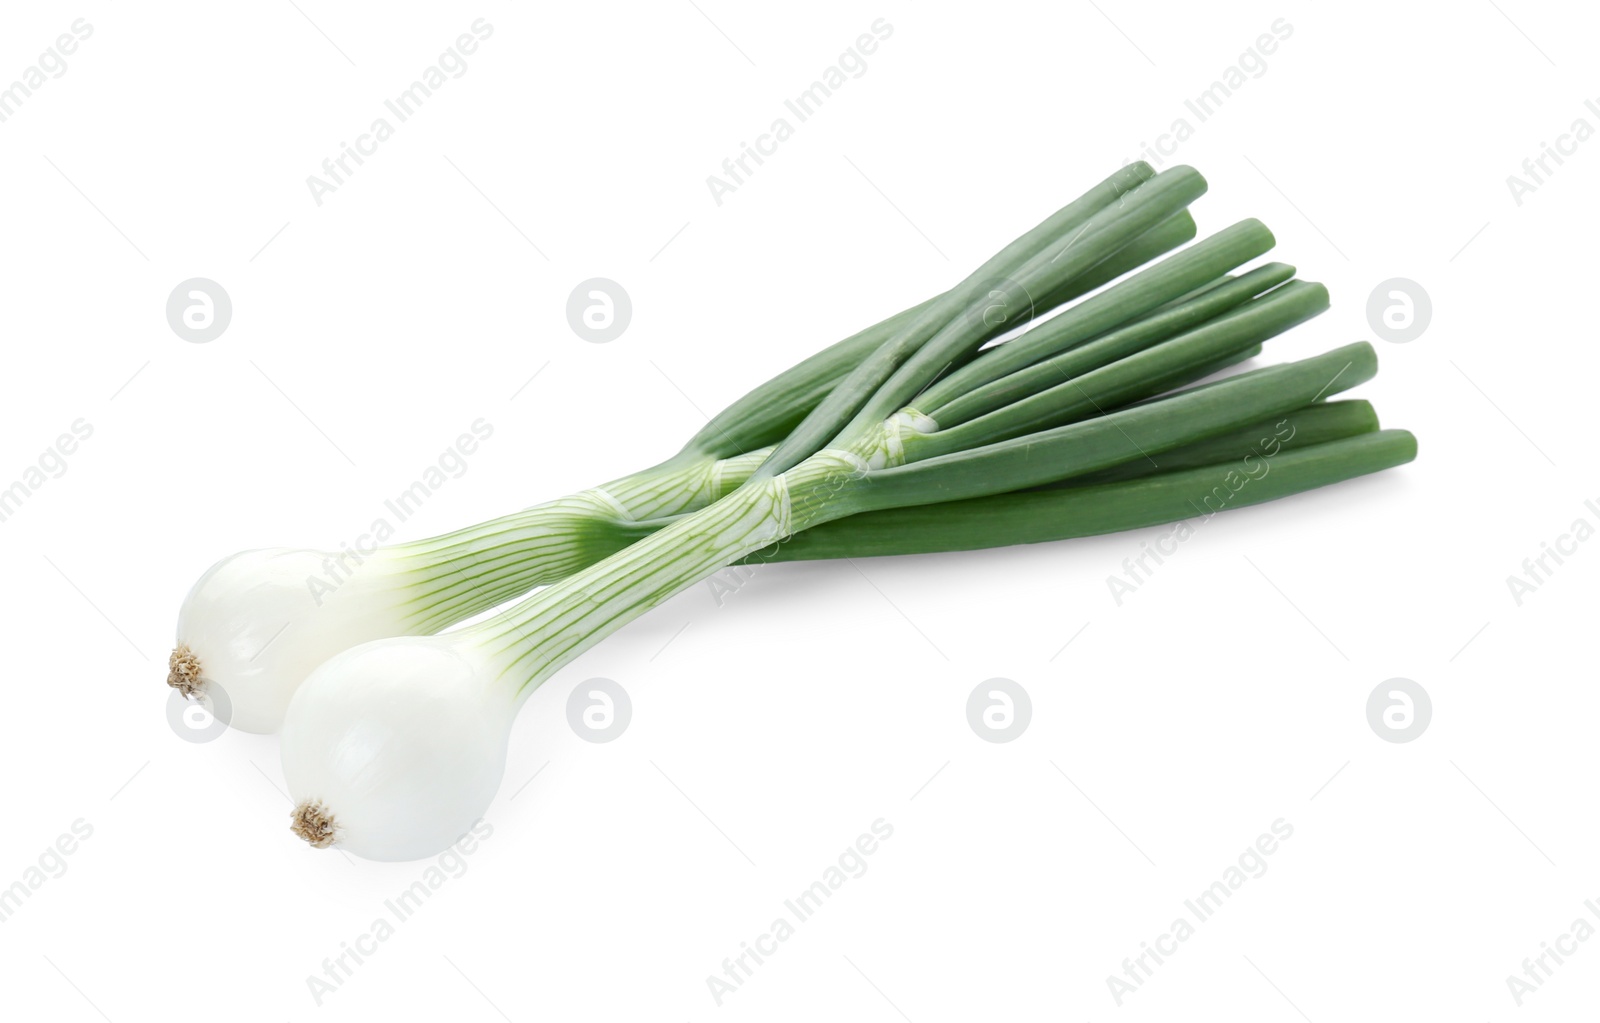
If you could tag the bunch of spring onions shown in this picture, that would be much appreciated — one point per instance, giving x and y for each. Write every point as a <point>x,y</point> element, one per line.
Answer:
<point>989,415</point>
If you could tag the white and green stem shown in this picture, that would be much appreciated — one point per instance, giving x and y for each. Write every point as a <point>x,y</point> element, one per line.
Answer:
<point>536,638</point>
<point>257,623</point>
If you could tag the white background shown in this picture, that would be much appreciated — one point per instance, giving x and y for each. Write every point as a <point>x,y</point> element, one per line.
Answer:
<point>1167,732</point>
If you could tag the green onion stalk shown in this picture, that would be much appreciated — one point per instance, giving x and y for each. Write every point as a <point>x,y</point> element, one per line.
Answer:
<point>393,748</point>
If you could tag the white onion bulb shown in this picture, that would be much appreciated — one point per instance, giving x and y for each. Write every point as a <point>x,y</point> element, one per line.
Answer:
<point>393,750</point>
<point>253,628</point>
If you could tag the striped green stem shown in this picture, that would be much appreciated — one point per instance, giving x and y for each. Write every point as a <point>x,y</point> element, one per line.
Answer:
<point>767,414</point>
<point>1076,396</point>
<point>1057,262</point>
<point>953,406</point>
<point>461,574</point>
<point>464,573</point>
<point>532,640</point>
<point>1060,514</point>
<point>1126,302</point>
<point>1314,424</point>
<point>1109,217</point>
<point>1139,431</point>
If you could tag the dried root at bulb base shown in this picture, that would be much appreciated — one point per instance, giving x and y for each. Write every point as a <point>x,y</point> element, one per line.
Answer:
<point>312,822</point>
<point>183,670</point>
